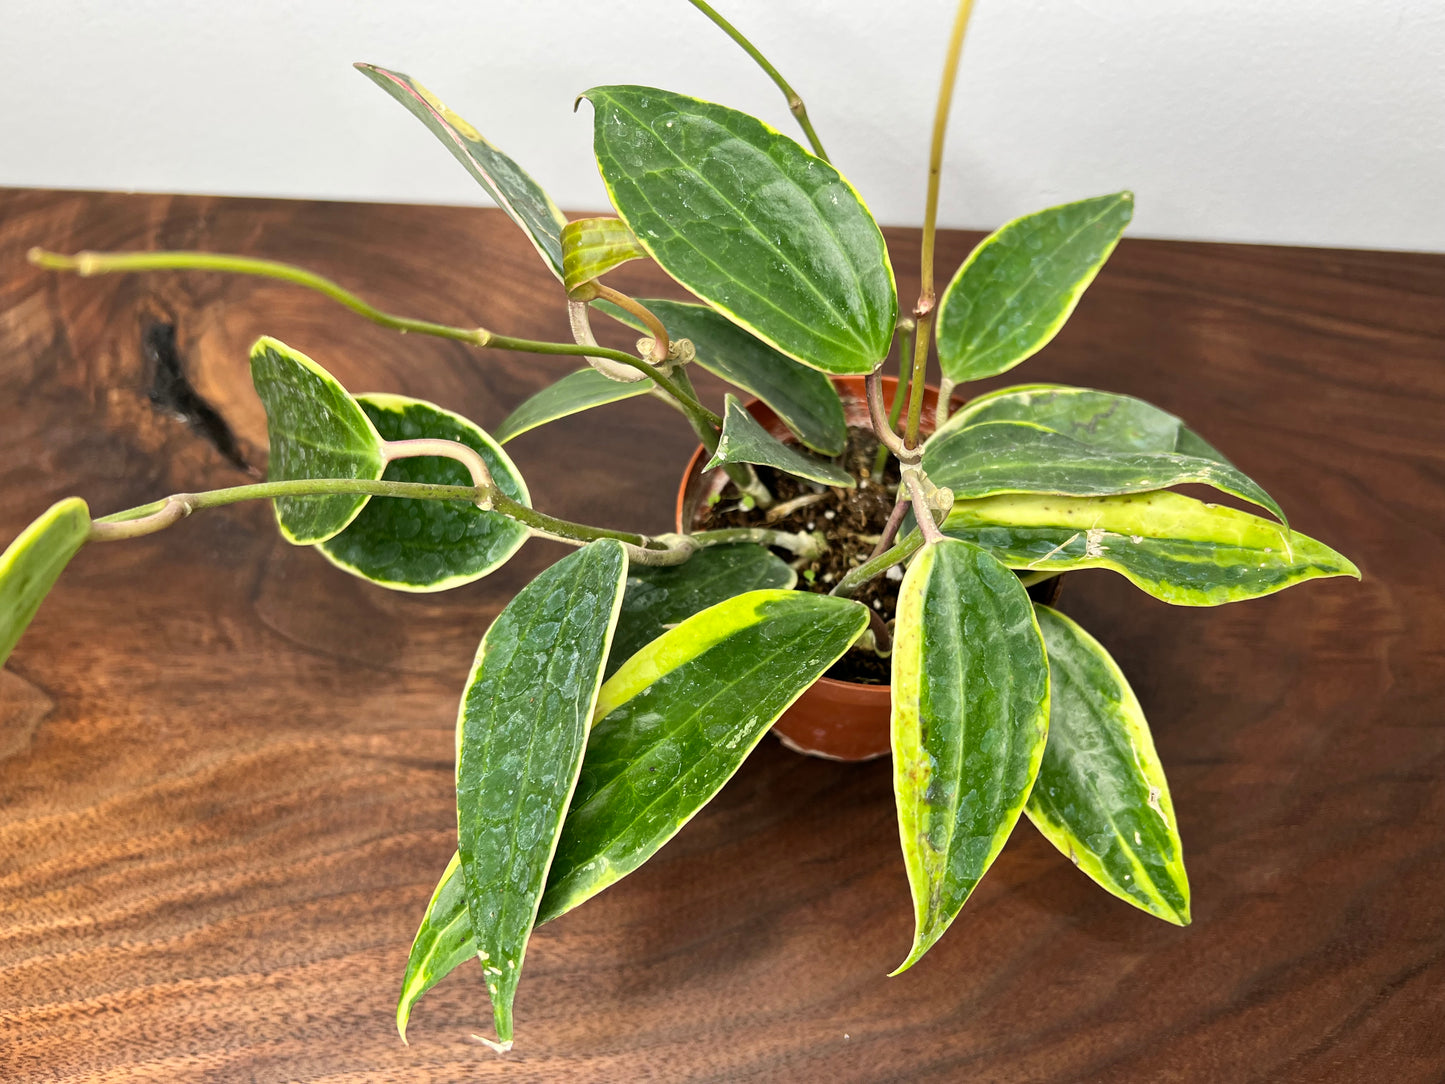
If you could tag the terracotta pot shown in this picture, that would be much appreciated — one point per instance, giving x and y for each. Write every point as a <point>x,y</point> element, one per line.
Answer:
<point>839,720</point>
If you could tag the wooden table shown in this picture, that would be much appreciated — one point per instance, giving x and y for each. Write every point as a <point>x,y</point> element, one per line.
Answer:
<point>226,767</point>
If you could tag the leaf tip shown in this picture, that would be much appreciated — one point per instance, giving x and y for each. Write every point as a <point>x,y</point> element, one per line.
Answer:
<point>266,344</point>
<point>68,506</point>
<point>913,957</point>
<point>1175,914</point>
<point>1171,900</point>
<point>923,940</point>
<point>1180,912</point>
<point>404,1005</point>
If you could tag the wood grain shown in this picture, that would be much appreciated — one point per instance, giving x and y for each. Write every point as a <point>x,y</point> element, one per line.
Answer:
<point>226,767</point>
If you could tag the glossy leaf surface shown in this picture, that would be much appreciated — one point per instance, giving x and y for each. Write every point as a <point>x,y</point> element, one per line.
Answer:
<point>591,247</point>
<point>1177,549</point>
<point>802,397</point>
<point>1111,423</point>
<point>443,942</point>
<point>677,719</point>
<point>1021,283</point>
<point>509,185</point>
<point>574,393</point>
<point>32,563</point>
<point>521,731</point>
<point>983,458</point>
<point>414,545</point>
<point>316,430</point>
<point>1101,797</point>
<point>970,718</point>
<point>770,236</point>
<point>660,754</point>
<point>743,440</point>
<point>659,598</point>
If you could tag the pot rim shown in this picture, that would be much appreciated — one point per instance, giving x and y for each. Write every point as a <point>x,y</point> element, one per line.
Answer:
<point>861,689</point>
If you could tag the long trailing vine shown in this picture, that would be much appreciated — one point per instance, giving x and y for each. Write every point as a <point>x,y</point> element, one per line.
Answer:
<point>87,264</point>
<point>669,549</point>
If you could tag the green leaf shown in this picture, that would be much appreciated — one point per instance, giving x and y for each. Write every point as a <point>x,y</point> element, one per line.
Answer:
<point>32,563</point>
<point>1101,797</point>
<point>1111,423</point>
<point>1103,418</point>
<point>661,597</point>
<point>970,718</point>
<point>317,430</point>
<point>1177,549</point>
<point>743,440</point>
<point>591,247</point>
<point>1021,283</point>
<point>443,942</point>
<point>574,393</point>
<point>520,735</point>
<point>510,187</point>
<point>411,545</point>
<point>984,454</point>
<point>677,720</point>
<point>803,398</point>
<point>770,236</point>
<point>678,723</point>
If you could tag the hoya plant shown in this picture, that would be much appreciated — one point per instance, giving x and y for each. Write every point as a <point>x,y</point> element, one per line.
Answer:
<point>615,695</point>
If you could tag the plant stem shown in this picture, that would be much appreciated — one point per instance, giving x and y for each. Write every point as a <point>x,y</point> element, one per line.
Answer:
<point>887,438</point>
<point>895,520</point>
<point>562,530</point>
<point>882,638</point>
<point>668,549</point>
<point>579,316</point>
<point>540,523</point>
<point>919,376</point>
<point>807,545</point>
<point>900,391</point>
<point>100,263</point>
<point>158,515</point>
<point>696,412</point>
<point>778,511</point>
<point>876,566</point>
<point>908,329</point>
<point>661,344</point>
<point>923,312</point>
<point>447,449</point>
<point>86,264</point>
<point>945,397</point>
<point>678,391</point>
<point>795,101</point>
<point>685,386</point>
<point>921,510</point>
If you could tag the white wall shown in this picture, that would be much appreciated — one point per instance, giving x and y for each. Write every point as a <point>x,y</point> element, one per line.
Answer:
<point>1297,121</point>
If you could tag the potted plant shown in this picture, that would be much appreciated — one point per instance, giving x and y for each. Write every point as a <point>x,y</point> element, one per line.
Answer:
<point>622,688</point>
